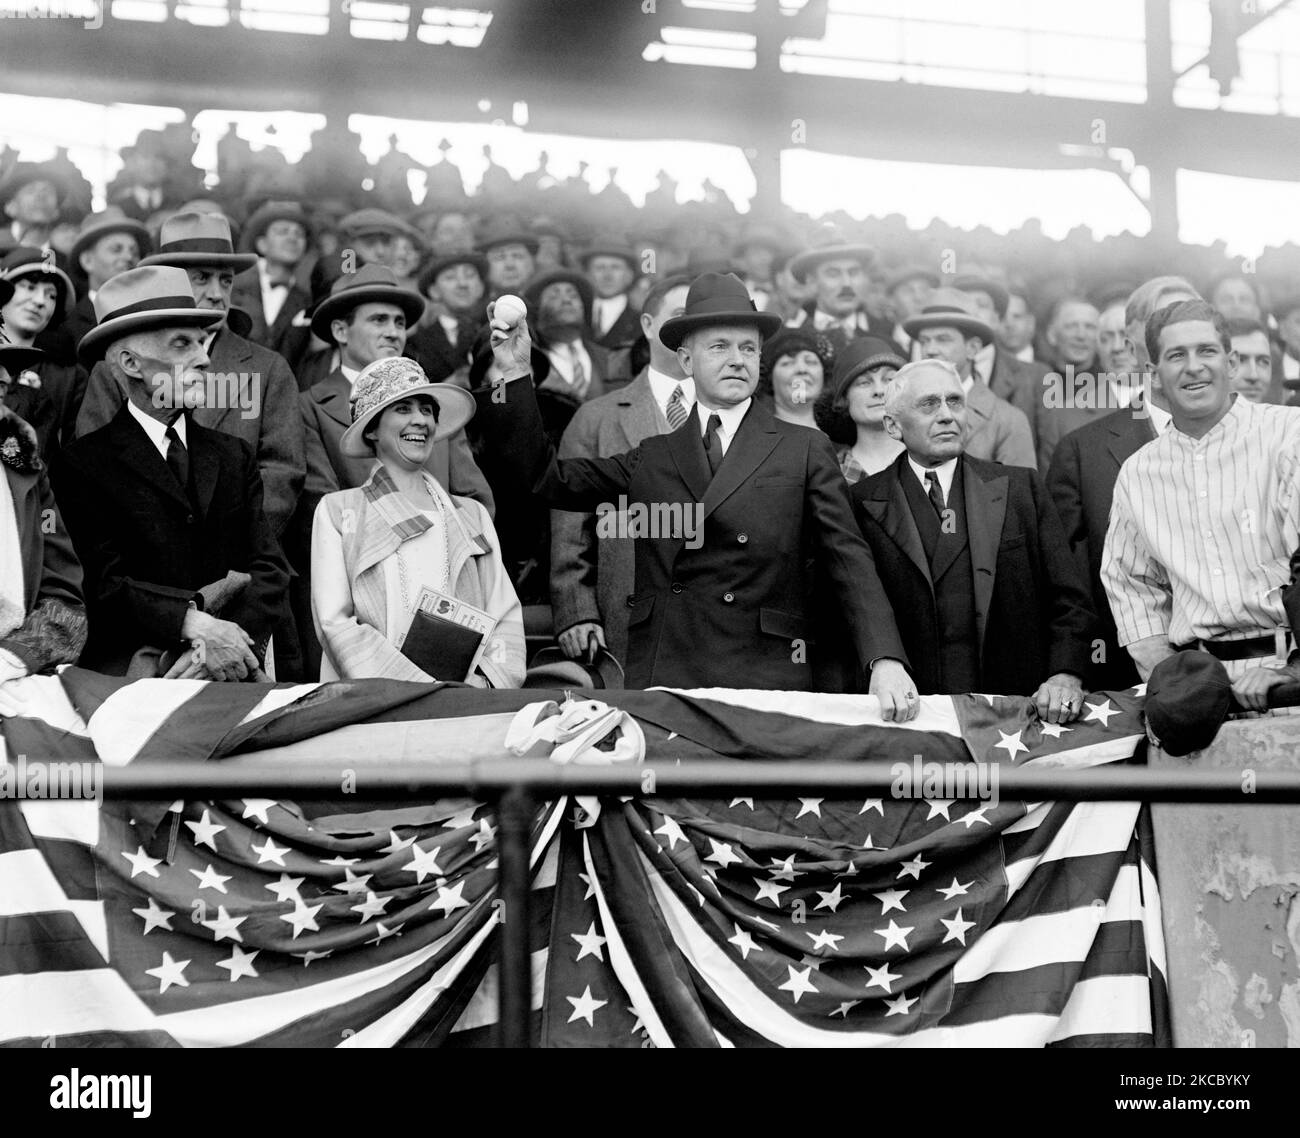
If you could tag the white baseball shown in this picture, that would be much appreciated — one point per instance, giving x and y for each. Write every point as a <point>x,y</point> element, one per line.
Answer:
<point>510,309</point>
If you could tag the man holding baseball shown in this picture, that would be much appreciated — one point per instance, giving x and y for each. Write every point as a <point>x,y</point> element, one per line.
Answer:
<point>735,609</point>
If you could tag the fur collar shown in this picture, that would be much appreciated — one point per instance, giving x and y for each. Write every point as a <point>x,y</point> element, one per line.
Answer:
<point>18,445</point>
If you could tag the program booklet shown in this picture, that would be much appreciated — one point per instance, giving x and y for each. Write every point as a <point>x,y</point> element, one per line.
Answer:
<point>446,636</point>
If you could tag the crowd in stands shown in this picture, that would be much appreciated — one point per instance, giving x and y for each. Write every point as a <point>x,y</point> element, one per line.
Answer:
<point>269,414</point>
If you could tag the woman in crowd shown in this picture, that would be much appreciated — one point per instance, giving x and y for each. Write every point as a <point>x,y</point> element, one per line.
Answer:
<point>792,374</point>
<point>852,408</point>
<point>376,547</point>
<point>42,611</point>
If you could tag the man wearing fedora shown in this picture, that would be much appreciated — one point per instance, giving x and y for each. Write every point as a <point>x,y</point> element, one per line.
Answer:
<point>559,300</point>
<point>183,573</point>
<point>365,318</point>
<point>728,603</point>
<point>108,243</point>
<point>987,595</point>
<point>1019,382</point>
<point>256,394</point>
<point>31,195</point>
<point>908,290</point>
<point>612,270</point>
<point>948,329</point>
<point>591,572</point>
<point>837,275</point>
<point>366,238</point>
<point>453,286</point>
<point>279,233</point>
<point>48,392</point>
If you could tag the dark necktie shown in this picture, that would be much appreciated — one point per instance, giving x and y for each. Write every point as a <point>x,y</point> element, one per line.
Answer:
<point>713,442</point>
<point>178,458</point>
<point>934,492</point>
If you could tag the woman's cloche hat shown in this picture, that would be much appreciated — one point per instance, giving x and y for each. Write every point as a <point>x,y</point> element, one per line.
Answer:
<point>389,380</point>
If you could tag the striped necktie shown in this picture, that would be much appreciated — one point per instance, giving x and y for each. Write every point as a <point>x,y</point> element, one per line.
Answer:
<point>676,408</point>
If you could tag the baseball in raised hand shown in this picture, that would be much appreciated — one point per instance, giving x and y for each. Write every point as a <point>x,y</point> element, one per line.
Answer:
<point>511,344</point>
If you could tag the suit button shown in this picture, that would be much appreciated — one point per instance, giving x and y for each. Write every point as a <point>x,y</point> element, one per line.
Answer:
<point>630,602</point>
<point>677,588</point>
<point>189,519</point>
<point>742,538</point>
<point>728,597</point>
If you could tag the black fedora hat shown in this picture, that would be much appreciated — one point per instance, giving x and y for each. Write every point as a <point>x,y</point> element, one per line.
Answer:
<point>267,214</point>
<point>716,299</point>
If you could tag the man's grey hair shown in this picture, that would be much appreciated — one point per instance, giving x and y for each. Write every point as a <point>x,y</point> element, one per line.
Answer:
<point>897,391</point>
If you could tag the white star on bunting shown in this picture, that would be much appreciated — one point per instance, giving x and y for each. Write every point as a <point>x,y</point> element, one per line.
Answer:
<point>957,929</point>
<point>831,899</point>
<point>141,862</point>
<point>956,889</point>
<point>257,808</point>
<point>589,943</point>
<point>206,831</point>
<point>798,983</point>
<point>211,879</point>
<point>286,889</point>
<point>722,854</point>
<point>585,1007</point>
<point>743,941</point>
<point>225,926</point>
<point>1011,744</point>
<point>895,937</point>
<point>240,963</point>
<point>913,868</point>
<point>770,890</point>
<point>900,1006</point>
<point>810,806</point>
<point>882,977</point>
<point>892,899</point>
<point>169,972</point>
<point>270,852</point>
<point>155,917</point>
<point>1100,712</point>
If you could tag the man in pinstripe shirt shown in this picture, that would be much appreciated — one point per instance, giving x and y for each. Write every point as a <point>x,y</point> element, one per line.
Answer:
<point>1205,518</point>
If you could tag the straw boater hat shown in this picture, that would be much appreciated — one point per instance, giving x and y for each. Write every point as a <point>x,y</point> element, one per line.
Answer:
<point>97,225</point>
<point>151,296</point>
<point>193,240</point>
<point>370,284</point>
<point>28,261</point>
<point>386,381</point>
<point>716,299</point>
<point>949,308</point>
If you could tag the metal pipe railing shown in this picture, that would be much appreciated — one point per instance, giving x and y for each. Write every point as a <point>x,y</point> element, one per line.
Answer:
<point>516,785</point>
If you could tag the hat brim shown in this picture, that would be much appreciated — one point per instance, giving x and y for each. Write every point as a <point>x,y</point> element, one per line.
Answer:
<point>628,256</point>
<point>91,348</point>
<point>969,325</point>
<point>673,332</point>
<point>931,278</point>
<point>803,263</point>
<point>529,242</point>
<point>257,227</point>
<point>87,240</point>
<point>42,269</point>
<point>455,409</point>
<point>442,264</point>
<point>338,305</point>
<point>15,359</point>
<point>236,261</point>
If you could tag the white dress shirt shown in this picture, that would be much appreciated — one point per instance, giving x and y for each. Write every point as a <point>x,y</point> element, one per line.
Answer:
<point>984,360</point>
<point>273,295</point>
<point>662,388</point>
<point>946,472</point>
<point>730,421</point>
<point>350,374</point>
<point>606,310</point>
<point>451,328</point>
<point>1202,530</point>
<point>1290,366</point>
<point>157,430</point>
<point>1160,418</point>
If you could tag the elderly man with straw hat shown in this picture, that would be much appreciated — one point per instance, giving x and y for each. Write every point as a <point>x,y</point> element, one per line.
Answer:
<point>251,393</point>
<point>183,574</point>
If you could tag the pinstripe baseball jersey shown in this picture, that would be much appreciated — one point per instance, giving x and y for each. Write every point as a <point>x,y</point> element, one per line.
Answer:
<point>1202,530</point>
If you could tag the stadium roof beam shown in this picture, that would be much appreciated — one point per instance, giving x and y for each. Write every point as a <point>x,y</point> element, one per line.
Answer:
<point>589,78</point>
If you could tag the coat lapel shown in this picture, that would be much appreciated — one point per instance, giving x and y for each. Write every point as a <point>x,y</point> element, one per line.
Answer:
<point>205,469</point>
<point>639,417</point>
<point>136,452</point>
<point>230,354</point>
<point>333,394</point>
<point>1126,442</point>
<point>687,449</point>
<point>754,441</point>
<point>888,506</point>
<point>986,510</point>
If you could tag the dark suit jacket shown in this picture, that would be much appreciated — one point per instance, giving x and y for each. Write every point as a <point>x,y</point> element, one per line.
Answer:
<point>623,331</point>
<point>431,349</point>
<point>61,342</point>
<point>1081,480</point>
<point>733,612</point>
<point>52,408</point>
<point>1019,382</point>
<point>592,577</point>
<point>1032,615</point>
<point>262,413</point>
<point>609,370</point>
<point>147,548</point>
<point>289,334</point>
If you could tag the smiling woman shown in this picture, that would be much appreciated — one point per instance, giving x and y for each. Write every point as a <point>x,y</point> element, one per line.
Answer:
<point>407,580</point>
